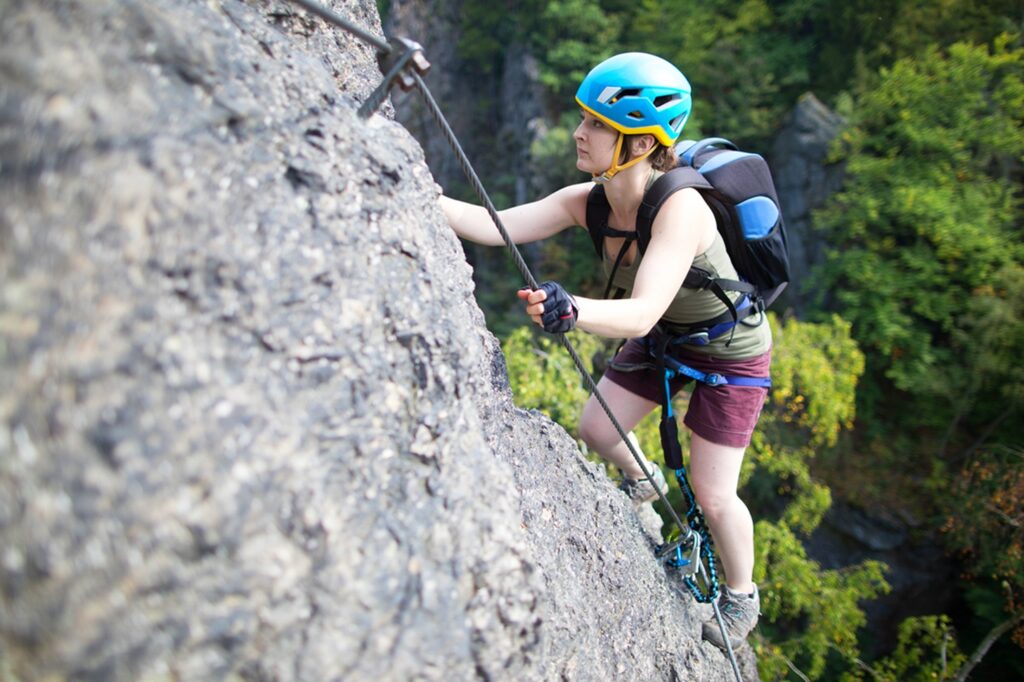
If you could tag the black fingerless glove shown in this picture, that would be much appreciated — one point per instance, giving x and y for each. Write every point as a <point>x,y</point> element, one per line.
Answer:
<point>560,309</point>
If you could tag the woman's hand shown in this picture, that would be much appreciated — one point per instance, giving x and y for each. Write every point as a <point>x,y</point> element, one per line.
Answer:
<point>560,312</point>
<point>534,299</point>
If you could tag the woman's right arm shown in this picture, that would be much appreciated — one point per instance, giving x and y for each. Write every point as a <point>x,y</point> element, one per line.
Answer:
<point>525,223</point>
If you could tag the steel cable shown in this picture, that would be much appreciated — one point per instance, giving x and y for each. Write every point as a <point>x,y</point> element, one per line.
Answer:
<point>524,270</point>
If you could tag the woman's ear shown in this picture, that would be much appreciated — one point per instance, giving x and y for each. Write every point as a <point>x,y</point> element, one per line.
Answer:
<point>641,144</point>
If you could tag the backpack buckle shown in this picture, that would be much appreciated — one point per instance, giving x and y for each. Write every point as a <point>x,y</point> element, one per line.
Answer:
<point>701,338</point>
<point>697,338</point>
<point>715,379</point>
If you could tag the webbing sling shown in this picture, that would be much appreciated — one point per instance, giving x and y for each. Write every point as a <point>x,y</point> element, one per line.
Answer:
<point>701,550</point>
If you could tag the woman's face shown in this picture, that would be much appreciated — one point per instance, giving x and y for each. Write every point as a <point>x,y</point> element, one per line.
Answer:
<point>595,144</point>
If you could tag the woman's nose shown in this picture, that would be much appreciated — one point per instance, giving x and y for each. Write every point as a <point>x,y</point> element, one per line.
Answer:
<point>578,133</point>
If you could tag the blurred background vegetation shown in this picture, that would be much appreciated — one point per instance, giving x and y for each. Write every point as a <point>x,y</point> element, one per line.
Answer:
<point>901,388</point>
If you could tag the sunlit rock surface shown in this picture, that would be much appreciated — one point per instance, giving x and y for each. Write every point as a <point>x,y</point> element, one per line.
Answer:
<point>253,426</point>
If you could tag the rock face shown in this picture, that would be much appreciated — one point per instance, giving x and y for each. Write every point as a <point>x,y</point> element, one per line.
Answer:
<point>253,426</point>
<point>804,181</point>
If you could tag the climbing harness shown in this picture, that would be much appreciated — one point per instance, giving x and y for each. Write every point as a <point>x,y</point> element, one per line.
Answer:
<point>692,554</point>
<point>403,62</point>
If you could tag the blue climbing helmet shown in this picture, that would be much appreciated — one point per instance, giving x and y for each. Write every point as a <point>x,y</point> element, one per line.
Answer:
<point>638,93</point>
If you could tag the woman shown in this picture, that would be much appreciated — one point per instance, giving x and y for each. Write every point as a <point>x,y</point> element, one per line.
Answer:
<point>633,109</point>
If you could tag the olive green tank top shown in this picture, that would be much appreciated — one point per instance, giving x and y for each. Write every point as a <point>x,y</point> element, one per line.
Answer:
<point>752,336</point>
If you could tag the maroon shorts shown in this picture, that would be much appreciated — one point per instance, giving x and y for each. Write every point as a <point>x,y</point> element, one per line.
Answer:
<point>725,415</point>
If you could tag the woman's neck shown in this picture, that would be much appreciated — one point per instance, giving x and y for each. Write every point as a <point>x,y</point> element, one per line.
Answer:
<point>625,192</point>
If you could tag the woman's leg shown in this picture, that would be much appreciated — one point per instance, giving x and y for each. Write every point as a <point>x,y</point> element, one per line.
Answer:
<point>714,474</point>
<point>600,435</point>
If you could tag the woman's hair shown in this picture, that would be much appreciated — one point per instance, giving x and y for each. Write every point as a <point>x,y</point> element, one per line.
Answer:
<point>662,158</point>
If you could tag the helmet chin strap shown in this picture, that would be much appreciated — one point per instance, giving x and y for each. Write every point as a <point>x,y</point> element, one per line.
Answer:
<point>611,172</point>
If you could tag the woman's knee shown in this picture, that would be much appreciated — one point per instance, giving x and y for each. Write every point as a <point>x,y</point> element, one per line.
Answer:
<point>714,501</point>
<point>596,431</point>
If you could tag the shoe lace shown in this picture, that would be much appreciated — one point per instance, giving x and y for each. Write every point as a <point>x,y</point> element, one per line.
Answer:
<point>732,610</point>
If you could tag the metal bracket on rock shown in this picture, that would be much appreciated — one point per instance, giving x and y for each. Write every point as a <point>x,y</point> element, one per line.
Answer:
<point>403,54</point>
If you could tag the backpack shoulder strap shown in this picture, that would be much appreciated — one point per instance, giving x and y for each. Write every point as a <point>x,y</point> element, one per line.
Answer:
<point>664,187</point>
<point>598,210</point>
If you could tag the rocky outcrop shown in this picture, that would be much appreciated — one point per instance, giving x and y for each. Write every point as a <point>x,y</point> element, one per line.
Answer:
<point>496,107</point>
<point>804,181</point>
<point>253,426</point>
<point>922,578</point>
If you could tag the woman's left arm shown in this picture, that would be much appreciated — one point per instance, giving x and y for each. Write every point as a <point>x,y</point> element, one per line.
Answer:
<point>676,235</point>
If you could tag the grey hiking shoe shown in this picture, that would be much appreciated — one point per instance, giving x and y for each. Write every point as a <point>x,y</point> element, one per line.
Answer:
<point>739,613</point>
<point>642,491</point>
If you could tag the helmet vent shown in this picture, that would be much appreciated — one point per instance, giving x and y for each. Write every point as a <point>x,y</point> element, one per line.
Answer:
<point>636,115</point>
<point>625,92</point>
<point>661,101</point>
<point>677,122</point>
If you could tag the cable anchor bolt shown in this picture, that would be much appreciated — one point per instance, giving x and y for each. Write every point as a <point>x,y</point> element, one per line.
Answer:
<point>403,55</point>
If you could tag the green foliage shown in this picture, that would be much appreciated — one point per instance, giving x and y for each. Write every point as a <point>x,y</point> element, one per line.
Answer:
<point>927,218</point>
<point>866,35</point>
<point>815,369</point>
<point>573,36</point>
<point>568,37</point>
<point>808,612</point>
<point>544,377</point>
<point>926,650</point>
<point>553,155</point>
<point>721,47</point>
<point>990,343</point>
<point>985,522</point>
<point>486,30</point>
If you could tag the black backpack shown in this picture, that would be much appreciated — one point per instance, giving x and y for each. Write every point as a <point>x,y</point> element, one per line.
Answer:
<point>738,187</point>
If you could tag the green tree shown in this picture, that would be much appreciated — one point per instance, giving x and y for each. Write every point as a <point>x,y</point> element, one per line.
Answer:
<point>926,650</point>
<point>834,47</point>
<point>543,377</point>
<point>572,36</point>
<point>719,46</point>
<point>809,613</point>
<point>985,525</point>
<point>926,263</point>
<point>927,220</point>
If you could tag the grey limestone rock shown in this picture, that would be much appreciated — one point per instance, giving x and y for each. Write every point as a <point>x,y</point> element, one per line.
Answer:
<point>805,180</point>
<point>253,425</point>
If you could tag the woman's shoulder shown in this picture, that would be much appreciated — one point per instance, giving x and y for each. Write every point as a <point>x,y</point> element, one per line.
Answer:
<point>686,207</point>
<point>686,200</point>
<point>573,200</point>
